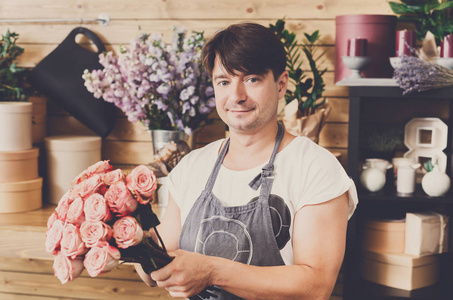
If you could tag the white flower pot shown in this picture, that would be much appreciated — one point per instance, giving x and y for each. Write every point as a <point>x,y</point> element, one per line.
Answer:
<point>15,124</point>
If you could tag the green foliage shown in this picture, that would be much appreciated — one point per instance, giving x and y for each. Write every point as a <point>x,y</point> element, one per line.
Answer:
<point>12,78</point>
<point>426,15</point>
<point>428,165</point>
<point>307,90</point>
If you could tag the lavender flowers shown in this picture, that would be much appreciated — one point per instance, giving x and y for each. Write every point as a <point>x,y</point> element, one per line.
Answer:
<point>163,85</point>
<point>418,75</point>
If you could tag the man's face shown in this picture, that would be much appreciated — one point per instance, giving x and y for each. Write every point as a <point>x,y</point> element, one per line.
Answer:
<point>247,102</point>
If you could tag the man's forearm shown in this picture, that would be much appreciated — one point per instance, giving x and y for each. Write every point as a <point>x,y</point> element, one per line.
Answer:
<point>278,282</point>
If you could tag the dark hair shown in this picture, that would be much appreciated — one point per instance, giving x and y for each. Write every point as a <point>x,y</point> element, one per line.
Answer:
<point>249,48</point>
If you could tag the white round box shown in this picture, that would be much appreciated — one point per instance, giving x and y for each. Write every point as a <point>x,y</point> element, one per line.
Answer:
<point>67,157</point>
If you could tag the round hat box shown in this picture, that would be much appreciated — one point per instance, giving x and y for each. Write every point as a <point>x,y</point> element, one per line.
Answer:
<point>16,123</point>
<point>19,165</point>
<point>67,157</point>
<point>20,196</point>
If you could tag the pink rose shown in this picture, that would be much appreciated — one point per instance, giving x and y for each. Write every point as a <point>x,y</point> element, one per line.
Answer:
<point>100,167</point>
<point>63,206</point>
<point>113,176</point>
<point>101,259</point>
<point>120,199</point>
<point>67,269</point>
<point>127,232</point>
<point>71,243</point>
<point>53,237</point>
<point>75,212</point>
<point>93,232</point>
<point>143,182</point>
<point>51,219</point>
<point>96,209</point>
<point>86,187</point>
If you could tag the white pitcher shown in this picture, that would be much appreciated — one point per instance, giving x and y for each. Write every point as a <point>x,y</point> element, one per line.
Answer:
<point>373,174</point>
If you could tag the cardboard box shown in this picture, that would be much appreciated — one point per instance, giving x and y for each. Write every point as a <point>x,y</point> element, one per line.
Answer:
<point>19,165</point>
<point>426,233</point>
<point>400,271</point>
<point>384,236</point>
<point>20,196</point>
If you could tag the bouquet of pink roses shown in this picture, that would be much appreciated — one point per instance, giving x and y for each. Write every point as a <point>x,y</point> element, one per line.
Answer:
<point>104,219</point>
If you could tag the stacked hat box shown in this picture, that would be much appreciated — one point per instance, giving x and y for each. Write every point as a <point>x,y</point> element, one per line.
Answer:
<point>403,254</point>
<point>20,185</point>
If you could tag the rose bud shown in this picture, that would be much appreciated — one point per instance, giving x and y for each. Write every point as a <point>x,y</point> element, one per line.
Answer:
<point>142,181</point>
<point>75,212</point>
<point>101,259</point>
<point>127,232</point>
<point>93,232</point>
<point>53,237</point>
<point>86,187</point>
<point>101,167</point>
<point>71,243</point>
<point>67,269</point>
<point>120,199</point>
<point>51,219</point>
<point>113,176</point>
<point>96,209</point>
<point>63,206</point>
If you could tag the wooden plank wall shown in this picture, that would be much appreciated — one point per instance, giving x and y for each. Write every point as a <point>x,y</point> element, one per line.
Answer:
<point>129,144</point>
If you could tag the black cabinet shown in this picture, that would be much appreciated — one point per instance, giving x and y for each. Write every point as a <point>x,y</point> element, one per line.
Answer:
<point>380,108</point>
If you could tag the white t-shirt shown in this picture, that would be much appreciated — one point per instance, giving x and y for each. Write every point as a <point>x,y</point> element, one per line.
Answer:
<point>305,173</point>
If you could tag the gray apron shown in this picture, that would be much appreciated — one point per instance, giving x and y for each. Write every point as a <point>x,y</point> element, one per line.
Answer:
<point>239,233</point>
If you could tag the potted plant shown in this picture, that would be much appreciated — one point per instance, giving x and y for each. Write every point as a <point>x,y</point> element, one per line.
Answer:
<point>427,16</point>
<point>162,85</point>
<point>306,110</point>
<point>15,113</point>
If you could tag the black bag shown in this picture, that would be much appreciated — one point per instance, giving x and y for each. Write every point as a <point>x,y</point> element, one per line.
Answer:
<point>59,77</point>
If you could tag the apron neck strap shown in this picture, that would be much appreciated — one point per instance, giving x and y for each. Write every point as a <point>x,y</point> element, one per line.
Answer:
<point>268,169</point>
<point>216,169</point>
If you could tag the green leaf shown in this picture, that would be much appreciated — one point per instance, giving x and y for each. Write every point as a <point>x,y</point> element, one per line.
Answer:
<point>400,9</point>
<point>428,165</point>
<point>443,6</point>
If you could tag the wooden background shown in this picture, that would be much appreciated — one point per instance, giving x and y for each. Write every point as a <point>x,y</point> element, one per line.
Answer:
<point>130,144</point>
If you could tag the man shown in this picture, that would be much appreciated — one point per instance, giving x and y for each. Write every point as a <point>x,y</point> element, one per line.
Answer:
<point>262,215</point>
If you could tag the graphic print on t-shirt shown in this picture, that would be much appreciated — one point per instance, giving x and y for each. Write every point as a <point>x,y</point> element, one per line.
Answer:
<point>223,237</point>
<point>229,238</point>
<point>281,219</point>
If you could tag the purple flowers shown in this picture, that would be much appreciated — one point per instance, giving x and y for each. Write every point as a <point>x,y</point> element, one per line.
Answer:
<point>418,75</point>
<point>162,85</point>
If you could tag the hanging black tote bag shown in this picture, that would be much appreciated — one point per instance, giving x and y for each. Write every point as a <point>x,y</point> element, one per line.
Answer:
<point>59,77</point>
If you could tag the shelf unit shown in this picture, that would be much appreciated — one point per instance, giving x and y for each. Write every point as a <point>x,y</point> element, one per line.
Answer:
<point>380,107</point>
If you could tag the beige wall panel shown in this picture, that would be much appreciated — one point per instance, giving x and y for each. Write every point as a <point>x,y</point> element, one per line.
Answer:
<point>133,153</point>
<point>123,31</point>
<point>34,53</point>
<point>194,9</point>
<point>334,135</point>
<point>340,110</point>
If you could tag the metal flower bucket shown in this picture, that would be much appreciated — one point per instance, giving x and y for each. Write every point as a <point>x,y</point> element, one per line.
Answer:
<point>161,138</point>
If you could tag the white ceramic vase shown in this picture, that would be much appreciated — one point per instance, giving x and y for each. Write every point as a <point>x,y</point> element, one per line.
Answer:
<point>16,126</point>
<point>436,183</point>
